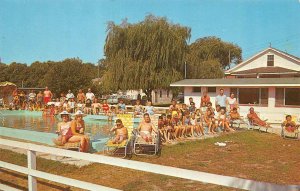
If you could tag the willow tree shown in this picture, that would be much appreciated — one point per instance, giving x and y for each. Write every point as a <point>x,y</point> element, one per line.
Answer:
<point>147,55</point>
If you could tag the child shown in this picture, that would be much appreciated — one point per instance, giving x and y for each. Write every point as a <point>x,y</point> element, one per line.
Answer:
<point>120,131</point>
<point>288,124</point>
<point>223,121</point>
<point>105,107</point>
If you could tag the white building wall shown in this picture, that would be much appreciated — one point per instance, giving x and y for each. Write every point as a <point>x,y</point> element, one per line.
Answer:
<point>262,62</point>
<point>165,97</point>
<point>272,113</point>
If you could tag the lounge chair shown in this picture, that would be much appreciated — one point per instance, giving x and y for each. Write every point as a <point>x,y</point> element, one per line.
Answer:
<point>124,148</point>
<point>286,134</point>
<point>252,125</point>
<point>141,147</point>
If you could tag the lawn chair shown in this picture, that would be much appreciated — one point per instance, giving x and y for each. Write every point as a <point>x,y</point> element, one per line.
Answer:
<point>252,125</point>
<point>141,147</point>
<point>293,135</point>
<point>124,148</point>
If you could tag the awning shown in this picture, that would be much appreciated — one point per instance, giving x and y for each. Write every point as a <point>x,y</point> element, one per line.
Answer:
<point>239,82</point>
<point>3,84</point>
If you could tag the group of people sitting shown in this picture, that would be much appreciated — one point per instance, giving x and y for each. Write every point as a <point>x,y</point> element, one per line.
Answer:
<point>72,130</point>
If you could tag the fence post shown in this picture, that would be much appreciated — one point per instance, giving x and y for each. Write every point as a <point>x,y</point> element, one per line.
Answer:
<point>31,161</point>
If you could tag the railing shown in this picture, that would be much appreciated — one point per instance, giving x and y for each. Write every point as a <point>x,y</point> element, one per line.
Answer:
<point>32,173</point>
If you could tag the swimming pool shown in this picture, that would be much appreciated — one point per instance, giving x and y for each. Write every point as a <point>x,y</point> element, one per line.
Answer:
<point>32,126</point>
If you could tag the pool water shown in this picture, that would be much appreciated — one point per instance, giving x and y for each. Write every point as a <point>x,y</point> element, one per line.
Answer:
<point>34,121</point>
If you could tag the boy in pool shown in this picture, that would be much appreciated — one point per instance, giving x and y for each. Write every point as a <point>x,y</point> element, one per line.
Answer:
<point>120,131</point>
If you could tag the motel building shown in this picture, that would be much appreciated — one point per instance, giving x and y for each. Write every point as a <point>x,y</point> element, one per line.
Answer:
<point>268,81</point>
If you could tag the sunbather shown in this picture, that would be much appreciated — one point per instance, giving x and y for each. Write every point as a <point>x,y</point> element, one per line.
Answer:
<point>63,129</point>
<point>78,128</point>
<point>120,131</point>
<point>253,117</point>
<point>288,124</point>
<point>146,127</point>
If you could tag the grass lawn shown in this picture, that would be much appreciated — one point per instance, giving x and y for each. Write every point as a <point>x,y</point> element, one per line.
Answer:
<point>248,154</point>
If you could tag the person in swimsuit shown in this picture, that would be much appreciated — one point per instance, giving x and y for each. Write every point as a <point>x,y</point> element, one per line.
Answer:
<point>149,108</point>
<point>138,108</point>
<point>47,95</point>
<point>63,129</point>
<point>120,131</point>
<point>187,126</point>
<point>174,109</point>
<point>105,107</point>
<point>253,117</point>
<point>121,107</point>
<point>80,96</point>
<point>289,124</point>
<point>223,121</point>
<point>77,129</point>
<point>146,127</point>
<point>96,107</point>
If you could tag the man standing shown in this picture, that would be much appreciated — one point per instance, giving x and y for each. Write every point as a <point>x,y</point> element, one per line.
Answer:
<point>90,95</point>
<point>80,96</point>
<point>221,99</point>
<point>70,95</point>
<point>47,95</point>
<point>32,96</point>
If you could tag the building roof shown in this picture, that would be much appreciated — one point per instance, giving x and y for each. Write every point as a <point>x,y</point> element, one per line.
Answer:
<point>266,70</point>
<point>239,82</point>
<point>271,49</point>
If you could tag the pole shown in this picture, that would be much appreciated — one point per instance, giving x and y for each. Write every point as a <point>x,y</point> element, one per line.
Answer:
<point>184,70</point>
<point>229,59</point>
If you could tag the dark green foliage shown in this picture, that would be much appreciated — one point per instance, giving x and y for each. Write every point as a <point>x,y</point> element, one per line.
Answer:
<point>208,57</point>
<point>146,55</point>
<point>59,76</point>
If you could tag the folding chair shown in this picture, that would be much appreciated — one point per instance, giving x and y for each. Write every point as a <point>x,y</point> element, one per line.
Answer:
<point>293,135</point>
<point>124,148</point>
<point>141,147</point>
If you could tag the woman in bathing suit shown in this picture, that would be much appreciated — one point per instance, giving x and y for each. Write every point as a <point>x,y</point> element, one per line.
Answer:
<point>77,128</point>
<point>63,129</point>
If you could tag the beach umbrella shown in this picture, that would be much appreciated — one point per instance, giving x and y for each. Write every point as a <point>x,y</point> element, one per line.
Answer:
<point>6,83</point>
<point>6,89</point>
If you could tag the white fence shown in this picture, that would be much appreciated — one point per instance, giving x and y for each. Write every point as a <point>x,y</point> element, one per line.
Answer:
<point>32,173</point>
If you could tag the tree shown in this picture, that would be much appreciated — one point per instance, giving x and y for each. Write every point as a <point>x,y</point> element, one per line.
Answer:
<point>3,76</point>
<point>37,71</point>
<point>213,48</point>
<point>147,55</point>
<point>16,73</point>
<point>70,74</point>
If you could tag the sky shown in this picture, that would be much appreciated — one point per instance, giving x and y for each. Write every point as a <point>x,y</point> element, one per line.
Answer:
<point>43,30</point>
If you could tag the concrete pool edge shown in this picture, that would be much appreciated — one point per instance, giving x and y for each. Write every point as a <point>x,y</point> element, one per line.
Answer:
<point>44,138</point>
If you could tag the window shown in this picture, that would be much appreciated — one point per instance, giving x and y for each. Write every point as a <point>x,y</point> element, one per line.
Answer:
<point>248,95</point>
<point>160,93</point>
<point>253,96</point>
<point>197,89</point>
<point>168,93</point>
<point>292,96</point>
<point>287,97</point>
<point>270,61</point>
<point>211,89</point>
